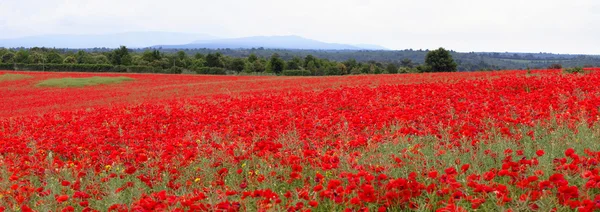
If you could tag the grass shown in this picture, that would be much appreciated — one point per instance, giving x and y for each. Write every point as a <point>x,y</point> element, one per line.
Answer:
<point>82,82</point>
<point>13,77</point>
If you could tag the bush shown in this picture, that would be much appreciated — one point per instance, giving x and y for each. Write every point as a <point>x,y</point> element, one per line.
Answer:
<point>175,70</point>
<point>573,70</point>
<point>211,70</point>
<point>404,70</point>
<point>296,73</point>
<point>5,66</point>
<point>144,69</point>
<point>555,66</point>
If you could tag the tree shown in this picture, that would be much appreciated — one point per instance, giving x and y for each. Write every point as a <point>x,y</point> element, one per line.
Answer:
<point>276,64</point>
<point>309,58</point>
<point>343,70</point>
<point>391,68</point>
<point>199,56</point>
<point>100,59</point>
<point>214,60</point>
<point>22,57</point>
<point>258,66</point>
<point>83,57</point>
<point>181,59</point>
<point>121,56</point>
<point>9,57</point>
<point>37,58</point>
<point>151,56</point>
<point>350,64</point>
<point>295,64</point>
<point>70,60</point>
<point>252,58</point>
<point>237,64</point>
<point>197,63</point>
<point>54,57</point>
<point>406,63</point>
<point>440,60</point>
<point>312,67</point>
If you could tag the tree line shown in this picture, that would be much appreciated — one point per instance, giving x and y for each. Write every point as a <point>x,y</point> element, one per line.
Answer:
<point>157,61</point>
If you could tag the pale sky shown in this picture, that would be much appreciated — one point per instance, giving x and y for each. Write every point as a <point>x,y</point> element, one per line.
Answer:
<point>558,26</point>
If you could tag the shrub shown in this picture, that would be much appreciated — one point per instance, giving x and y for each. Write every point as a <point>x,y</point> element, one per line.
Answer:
<point>573,70</point>
<point>175,70</point>
<point>296,73</point>
<point>555,66</point>
<point>5,66</point>
<point>211,70</point>
<point>143,69</point>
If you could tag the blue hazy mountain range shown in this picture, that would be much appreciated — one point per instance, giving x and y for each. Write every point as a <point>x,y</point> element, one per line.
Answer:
<point>172,40</point>
<point>270,42</point>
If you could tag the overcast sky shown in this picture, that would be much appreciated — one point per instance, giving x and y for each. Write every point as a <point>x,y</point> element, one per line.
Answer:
<point>558,26</point>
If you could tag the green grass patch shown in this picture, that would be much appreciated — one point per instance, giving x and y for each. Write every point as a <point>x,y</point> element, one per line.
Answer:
<point>13,77</point>
<point>82,82</point>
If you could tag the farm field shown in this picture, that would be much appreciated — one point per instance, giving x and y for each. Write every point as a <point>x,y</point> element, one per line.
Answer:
<point>488,141</point>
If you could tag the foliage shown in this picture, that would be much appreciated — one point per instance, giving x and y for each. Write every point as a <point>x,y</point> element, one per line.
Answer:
<point>319,63</point>
<point>5,66</point>
<point>8,57</point>
<point>175,70</point>
<point>440,60</point>
<point>574,70</point>
<point>238,64</point>
<point>214,60</point>
<point>211,71</point>
<point>276,64</point>
<point>296,73</point>
<point>120,56</point>
<point>142,69</point>
<point>555,66</point>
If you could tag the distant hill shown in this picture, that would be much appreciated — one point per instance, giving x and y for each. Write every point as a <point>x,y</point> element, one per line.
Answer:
<point>269,42</point>
<point>129,39</point>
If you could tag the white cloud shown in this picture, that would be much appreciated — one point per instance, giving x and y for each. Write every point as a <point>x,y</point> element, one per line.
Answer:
<point>463,25</point>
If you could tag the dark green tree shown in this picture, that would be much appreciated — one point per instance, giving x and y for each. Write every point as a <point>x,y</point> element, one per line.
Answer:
<point>237,64</point>
<point>120,56</point>
<point>276,64</point>
<point>22,56</point>
<point>406,63</point>
<point>309,58</point>
<point>54,57</point>
<point>8,57</point>
<point>37,58</point>
<point>199,56</point>
<point>258,66</point>
<point>350,64</point>
<point>252,58</point>
<point>214,60</point>
<point>440,60</point>
<point>83,57</point>
<point>151,56</point>
<point>295,64</point>
<point>391,68</point>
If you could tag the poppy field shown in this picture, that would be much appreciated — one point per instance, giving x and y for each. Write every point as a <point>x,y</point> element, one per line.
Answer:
<point>486,141</point>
